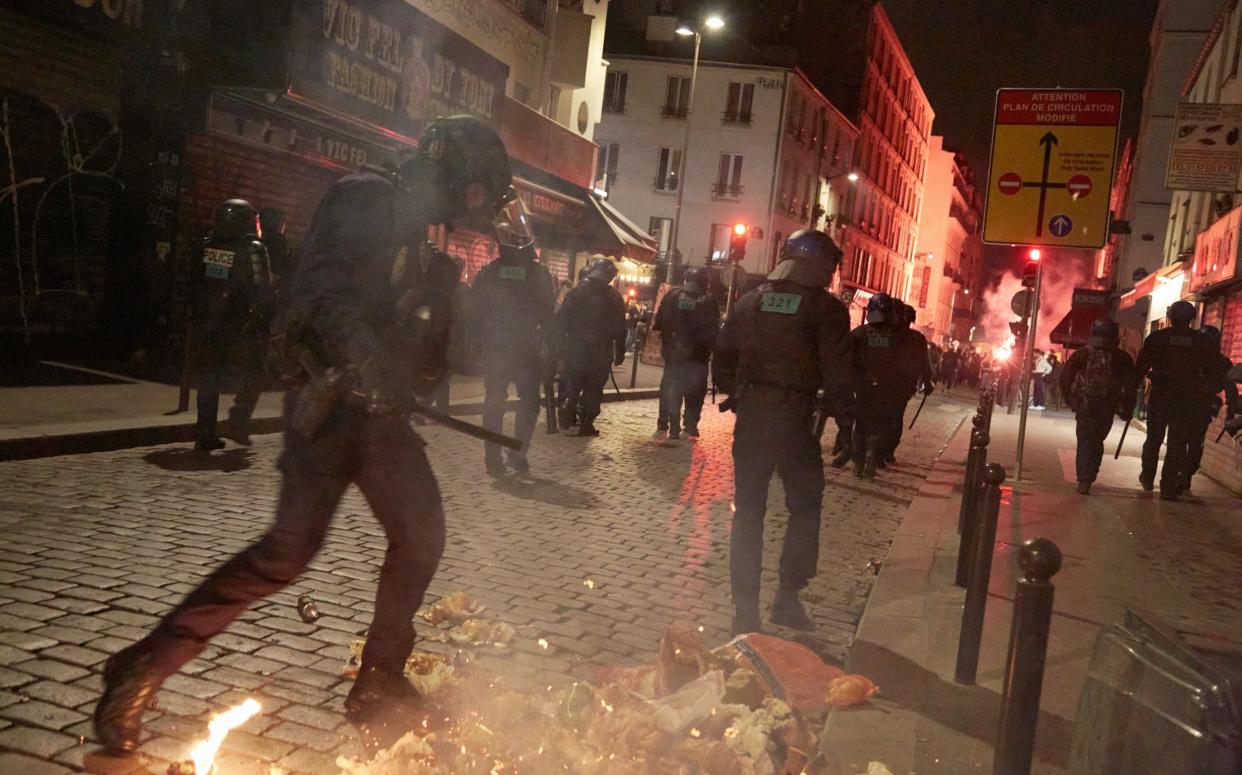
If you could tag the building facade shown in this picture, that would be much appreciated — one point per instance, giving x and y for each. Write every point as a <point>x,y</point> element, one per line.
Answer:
<point>949,257</point>
<point>764,148</point>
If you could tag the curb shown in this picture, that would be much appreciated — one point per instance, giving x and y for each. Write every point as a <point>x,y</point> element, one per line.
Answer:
<point>84,442</point>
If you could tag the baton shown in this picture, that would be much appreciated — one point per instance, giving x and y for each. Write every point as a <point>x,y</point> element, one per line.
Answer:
<point>1124,431</point>
<point>613,377</point>
<point>461,426</point>
<point>919,411</point>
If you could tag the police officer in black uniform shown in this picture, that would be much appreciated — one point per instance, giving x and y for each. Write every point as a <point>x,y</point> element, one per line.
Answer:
<point>231,288</point>
<point>511,302</point>
<point>592,325</point>
<point>1098,381</point>
<point>916,367</point>
<point>275,238</point>
<point>782,358</point>
<point>881,379</point>
<point>688,321</point>
<point>1173,359</point>
<point>354,315</point>
<point>1212,383</point>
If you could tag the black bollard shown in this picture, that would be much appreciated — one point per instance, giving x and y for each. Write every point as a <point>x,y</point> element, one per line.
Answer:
<point>980,572</point>
<point>1040,559</point>
<point>972,490</point>
<point>640,342</point>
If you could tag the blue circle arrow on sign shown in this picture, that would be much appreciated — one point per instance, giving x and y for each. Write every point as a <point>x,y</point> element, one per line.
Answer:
<point>1060,225</point>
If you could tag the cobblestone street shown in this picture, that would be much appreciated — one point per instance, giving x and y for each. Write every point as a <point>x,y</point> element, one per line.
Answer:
<point>614,539</point>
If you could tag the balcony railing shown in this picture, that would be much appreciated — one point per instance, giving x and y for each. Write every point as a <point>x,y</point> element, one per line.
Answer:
<point>722,190</point>
<point>666,183</point>
<point>533,11</point>
<point>735,118</point>
<point>674,111</point>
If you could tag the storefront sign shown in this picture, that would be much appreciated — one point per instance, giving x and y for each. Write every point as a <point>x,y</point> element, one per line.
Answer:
<point>101,16</point>
<point>1206,148</point>
<point>390,64</point>
<point>248,122</point>
<point>1216,252</point>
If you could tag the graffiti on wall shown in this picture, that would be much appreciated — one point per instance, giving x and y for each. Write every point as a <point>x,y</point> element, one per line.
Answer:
<point>58,190</point>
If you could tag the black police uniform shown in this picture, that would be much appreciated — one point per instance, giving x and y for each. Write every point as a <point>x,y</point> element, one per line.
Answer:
<point>877,352</point>
<point>511,303</point>
<point>1211,384</point>
<point>592,323</point>
<point>782,344</point>
<point>1173,358</point>
<point>688,324</point>
<point>1098,382</point>
<point>916,369</point>
<point>231,293</point>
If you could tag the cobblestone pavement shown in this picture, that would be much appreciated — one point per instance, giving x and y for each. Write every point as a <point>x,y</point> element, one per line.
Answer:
<point>614,539</point>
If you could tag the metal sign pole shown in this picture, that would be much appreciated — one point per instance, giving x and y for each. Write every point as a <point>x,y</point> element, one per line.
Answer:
<point>1028,360</point>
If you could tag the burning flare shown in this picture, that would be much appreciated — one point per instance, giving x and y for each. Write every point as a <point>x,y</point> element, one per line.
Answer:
<point>204,754</point>
<point>1006,350</point>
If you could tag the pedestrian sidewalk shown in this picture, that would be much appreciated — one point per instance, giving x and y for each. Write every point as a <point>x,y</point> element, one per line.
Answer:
<point>1122,548</point>
<point>124,412</point>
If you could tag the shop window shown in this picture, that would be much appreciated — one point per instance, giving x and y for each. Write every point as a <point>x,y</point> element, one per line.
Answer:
<point>677,97</point>
<point>614,91</point>
<point>668,169</point>
<point>739,102</point>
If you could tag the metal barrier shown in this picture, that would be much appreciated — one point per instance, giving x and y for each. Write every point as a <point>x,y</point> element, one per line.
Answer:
<point>1040,559</point>
<point>980,571</point>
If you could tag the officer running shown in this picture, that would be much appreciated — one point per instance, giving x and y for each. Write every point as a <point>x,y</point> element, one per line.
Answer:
<point>881,379</point>
<point>592,325</point>
<point>1098,381</point>
<point>784,343</point>
<point>511,302</point>
<point>688,321</point>
<point>1173,359</point>
<point>353,318</point>
<point>231,289</point>
<point>1214,381</point>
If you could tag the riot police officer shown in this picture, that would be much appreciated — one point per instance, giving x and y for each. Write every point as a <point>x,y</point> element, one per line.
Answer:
<point>364,337</point>
<point>1211,384</point>
<point>916,368</point>
<point>688,321</point>
<point>231,291</point>
<point>1173,359</point>
<point>274,227</point>
<point>592,324</point>
<point>1097,381</point>
<point>511,303</point>
<point>881,379</point>
<point>782,359</point>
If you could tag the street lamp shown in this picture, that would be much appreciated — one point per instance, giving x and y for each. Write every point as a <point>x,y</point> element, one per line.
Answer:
<point>685,29</point>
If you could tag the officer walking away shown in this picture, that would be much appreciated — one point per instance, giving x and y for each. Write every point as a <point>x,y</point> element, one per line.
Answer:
<point>364,335</point>
<point>1098,381</point>
<point>592,325</point>
<point>948,368</point>
<point>688,321</point>
<point>273,234</point>
<point>881,379</point>
<point>782,359</point>
<point>1212,383</point>
<point>1173,359</point>
<point>231,291</point>
<point>916,367</point>
<point>511,304</point>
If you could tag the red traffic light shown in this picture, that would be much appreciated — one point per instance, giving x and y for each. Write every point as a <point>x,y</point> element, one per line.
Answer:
<point>740,229</point>
<point>1034,254</point>
<point>633,292</point>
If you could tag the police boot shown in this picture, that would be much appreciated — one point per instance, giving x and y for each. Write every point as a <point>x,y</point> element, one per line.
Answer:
<point>841,459</point>
<point>379,695</point>
<point>746,617</point>
<point>1147,481</point>
<point>565,417</point>
<point>130,683</point>
<point>1084,487</point>
<point>239,429</point>
<point>518,462</point>
<point>787,610</point>
<point>206,443</point>
<point>494,465</point>
<point>865,468</point>
<point>587,428</point>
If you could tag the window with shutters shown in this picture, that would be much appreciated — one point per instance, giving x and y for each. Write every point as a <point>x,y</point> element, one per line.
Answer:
<point>662,229</point>
<point>739,103</point>
<point>668,169</point>
<point>614,91</point>
<point>676,98</point>
<point>606,166</point>
<point>728,177</point>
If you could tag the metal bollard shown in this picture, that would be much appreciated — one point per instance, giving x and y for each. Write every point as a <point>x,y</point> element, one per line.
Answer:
<point>640,343</point>
<point>972,490</point>
<point>980,571</point>
<point>1040,559</point>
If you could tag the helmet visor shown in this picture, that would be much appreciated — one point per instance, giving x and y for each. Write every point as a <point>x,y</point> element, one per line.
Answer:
<point>512,224</point>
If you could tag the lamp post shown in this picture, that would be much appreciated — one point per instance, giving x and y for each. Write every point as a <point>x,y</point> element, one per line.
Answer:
<point>685,30</point>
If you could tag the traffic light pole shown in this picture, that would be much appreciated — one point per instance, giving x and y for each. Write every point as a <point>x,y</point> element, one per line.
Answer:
<point>1028,360</point>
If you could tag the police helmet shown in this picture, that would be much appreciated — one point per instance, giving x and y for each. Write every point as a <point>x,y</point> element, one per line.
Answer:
<point>880,309</point>
<point>601,270</point>
<point>809,257</point>
<point>1213,335</point>
<point>1104,333</point>
<point>461,172</point>
<point>909,314</point>
<point>1181,312</point>
<point>273,221</point>
<point>234,219</point>
<point>695,280</point>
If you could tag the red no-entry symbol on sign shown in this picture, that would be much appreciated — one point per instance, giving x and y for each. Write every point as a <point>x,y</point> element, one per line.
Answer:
<point>1010,183</point>
<point>1079,186</point>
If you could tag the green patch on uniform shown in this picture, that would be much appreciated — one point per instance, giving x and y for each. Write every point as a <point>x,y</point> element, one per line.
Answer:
<point>512,273</point>
<point>784,303</point>
<point>685,302</point>
<point>217,271</point>
<point>878,340</point>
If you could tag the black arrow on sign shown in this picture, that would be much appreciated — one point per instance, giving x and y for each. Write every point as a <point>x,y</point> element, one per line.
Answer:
<point>1047,141</point>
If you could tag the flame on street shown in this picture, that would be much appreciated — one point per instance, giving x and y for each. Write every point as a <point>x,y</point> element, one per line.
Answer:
<point>204,754</point>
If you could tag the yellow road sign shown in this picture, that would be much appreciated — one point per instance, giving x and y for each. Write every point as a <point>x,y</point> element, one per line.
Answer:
<point>1053,154</point>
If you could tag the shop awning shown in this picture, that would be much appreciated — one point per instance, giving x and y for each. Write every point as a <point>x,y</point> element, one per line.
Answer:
<point>1075,328</point>
<point>634,243</point>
